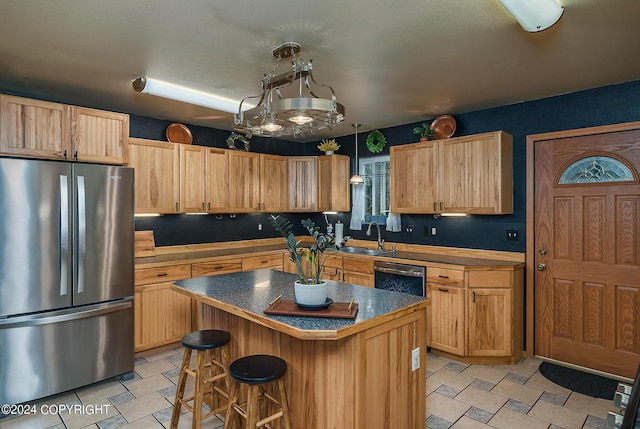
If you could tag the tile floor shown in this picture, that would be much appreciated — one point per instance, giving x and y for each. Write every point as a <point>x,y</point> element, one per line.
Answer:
<point>459,396</point>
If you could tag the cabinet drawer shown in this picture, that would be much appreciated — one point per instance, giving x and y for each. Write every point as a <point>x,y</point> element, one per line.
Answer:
<point>490,279</point>
<point>332,261</point>
<point>358,265</point>
<point>214,268</point>
<point>445,276</point>
<point>144,276</point>
<point>266,261</point>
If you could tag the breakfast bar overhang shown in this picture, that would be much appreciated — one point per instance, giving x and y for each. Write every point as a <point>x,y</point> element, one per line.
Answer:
<point>343,373</point>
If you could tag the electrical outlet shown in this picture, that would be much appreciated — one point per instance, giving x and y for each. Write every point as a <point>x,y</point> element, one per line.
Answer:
<point>415,359</point>
<point>409,229</point>
<point>513,235</point>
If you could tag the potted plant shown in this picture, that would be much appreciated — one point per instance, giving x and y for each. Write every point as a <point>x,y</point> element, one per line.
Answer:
<point>308,260</point>
<point>425,132</point>
<point>328,146</point>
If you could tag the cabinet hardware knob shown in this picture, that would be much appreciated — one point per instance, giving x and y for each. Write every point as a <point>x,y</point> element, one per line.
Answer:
<point>542,267</point>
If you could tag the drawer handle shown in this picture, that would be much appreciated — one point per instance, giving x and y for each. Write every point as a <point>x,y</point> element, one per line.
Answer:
<point>162,274</point>
<point>443,277</point>
<point>443,290</point>
<point>219,267</point>
<point>264,262</point>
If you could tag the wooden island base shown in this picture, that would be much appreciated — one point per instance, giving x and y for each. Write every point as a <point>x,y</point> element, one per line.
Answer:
<point>361,381</point>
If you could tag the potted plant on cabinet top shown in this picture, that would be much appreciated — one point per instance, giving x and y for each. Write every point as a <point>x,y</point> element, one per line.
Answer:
<point>425,132</point>
<point>310,289</point>
<point>328,146</point>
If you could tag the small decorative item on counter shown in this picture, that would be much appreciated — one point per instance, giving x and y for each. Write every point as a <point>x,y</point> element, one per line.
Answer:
<point>376,141</point>
<point>425,132</point>
<point>328,146</point>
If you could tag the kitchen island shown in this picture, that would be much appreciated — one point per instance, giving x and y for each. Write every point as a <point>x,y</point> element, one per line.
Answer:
<point>343,373</point>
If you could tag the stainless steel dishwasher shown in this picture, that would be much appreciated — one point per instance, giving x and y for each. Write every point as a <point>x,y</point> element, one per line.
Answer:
<point>400,277</point>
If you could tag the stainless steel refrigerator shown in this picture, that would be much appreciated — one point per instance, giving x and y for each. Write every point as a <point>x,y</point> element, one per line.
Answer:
<point>66,276</point>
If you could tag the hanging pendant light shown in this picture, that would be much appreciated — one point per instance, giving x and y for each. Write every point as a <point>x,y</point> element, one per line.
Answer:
<point>288,105</point>
<point>356,179</point>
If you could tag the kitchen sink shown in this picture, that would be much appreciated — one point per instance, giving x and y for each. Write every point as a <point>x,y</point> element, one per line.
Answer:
<point>366,251</point>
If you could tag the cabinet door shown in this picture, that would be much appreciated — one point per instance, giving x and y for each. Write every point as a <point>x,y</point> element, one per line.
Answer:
<point>490,321</point>
<point>99,136</point>
<point>476,174</point>
<point>244,182</point>
<point>192,178</point>
<point>333,183</point>
<point>414,178</point>
<point>156,175</point>
<point>446,316</point>
<point>162,316</point>
<point>34,128</point>
<point>303,184</point>
<point>217,191</point>
<point>273,183</point>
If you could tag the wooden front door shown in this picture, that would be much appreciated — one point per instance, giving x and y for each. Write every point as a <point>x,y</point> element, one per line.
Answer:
<point>586,262</point>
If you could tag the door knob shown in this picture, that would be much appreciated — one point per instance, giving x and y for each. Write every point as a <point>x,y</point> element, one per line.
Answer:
<point>542,267</point>
<point>542,252</point>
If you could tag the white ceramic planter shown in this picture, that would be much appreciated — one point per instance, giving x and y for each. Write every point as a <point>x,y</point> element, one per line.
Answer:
<point>328,152</point>
<point>309,294</point>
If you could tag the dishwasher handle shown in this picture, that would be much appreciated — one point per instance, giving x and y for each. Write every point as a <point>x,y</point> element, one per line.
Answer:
<point>409,272</point>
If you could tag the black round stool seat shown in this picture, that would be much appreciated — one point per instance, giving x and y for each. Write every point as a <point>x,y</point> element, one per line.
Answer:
<point>206,339</point>
<point>257,369</point>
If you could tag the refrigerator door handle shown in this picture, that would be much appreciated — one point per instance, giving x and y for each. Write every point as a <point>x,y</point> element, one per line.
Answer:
<point>82,232</point>
<point>65,315</point>
<point>64,234</point>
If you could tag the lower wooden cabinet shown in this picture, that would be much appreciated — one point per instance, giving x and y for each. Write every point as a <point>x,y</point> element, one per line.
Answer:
<point>445,318</point>
<point>162,316</point>
<point>476,315</point>
<point>358,271</point>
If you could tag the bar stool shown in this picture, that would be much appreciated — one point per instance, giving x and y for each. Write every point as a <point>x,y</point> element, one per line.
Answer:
<point>257,371</point>
<point>209,373</point>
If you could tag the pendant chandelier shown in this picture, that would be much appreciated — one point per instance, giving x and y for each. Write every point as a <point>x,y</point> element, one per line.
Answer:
<point>288,106</point>
<point>356,179</point>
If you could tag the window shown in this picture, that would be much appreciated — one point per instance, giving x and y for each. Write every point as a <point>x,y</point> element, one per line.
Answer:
<point>375,172</point>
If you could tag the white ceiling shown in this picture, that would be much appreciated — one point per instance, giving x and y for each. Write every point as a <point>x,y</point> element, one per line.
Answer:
<point>390,62</point>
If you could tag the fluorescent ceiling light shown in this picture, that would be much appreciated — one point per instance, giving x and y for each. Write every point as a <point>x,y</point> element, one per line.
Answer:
<point>160,88</point>
<point>534,15</point>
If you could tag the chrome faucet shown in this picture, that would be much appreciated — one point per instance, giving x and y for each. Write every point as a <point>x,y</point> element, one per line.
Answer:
<point>380,240</point>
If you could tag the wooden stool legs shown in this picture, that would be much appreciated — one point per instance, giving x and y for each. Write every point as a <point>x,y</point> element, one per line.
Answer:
<point>256,407</point>
<point>209,371</point>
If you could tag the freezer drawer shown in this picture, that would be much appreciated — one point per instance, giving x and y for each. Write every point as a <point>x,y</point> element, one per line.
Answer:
<point>53,352</point>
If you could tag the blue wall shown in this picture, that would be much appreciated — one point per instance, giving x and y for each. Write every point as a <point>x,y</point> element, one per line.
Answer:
<point>600,106</point>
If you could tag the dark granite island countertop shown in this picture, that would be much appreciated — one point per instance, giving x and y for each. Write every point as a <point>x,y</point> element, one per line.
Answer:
<point>342,373</point>
<point>248,294</point>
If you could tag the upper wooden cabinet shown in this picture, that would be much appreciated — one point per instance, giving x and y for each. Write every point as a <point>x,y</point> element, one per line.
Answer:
<point>273,183</point>
<point>244,182</point>
<point>41,129</point>
<point>193,180</point>
<point>157,175</point>
<point>303,184</point>
<point>333,183</point>
<point>217,177</point>
<point>99,136</point>
<point>469,174</point>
